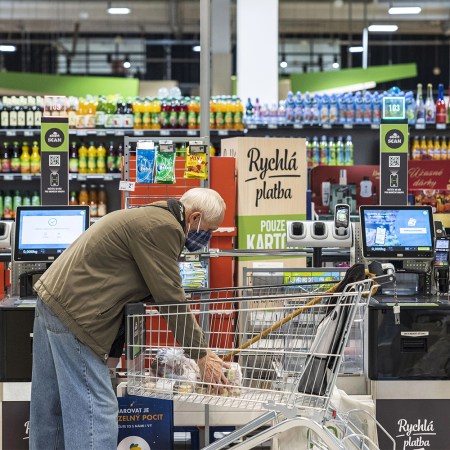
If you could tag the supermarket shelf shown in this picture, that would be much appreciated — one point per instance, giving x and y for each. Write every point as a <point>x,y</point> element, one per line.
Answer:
<point>72,176</point>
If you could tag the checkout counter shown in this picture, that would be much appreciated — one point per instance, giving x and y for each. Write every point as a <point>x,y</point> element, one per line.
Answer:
<point>408,325</point>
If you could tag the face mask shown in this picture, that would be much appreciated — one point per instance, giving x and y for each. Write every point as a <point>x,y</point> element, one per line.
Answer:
<point>196,240</point>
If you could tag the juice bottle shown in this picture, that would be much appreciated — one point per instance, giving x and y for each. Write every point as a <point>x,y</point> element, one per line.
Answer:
<point>165,112</point>
<point>182,113</point>
<point>146,114</point>
<point>238,114</point>
<point>15,158</point>
<point>82,159</point>
<point>348,151</point>
<point>119,159</point>
<point>444,148</point>
<point>437,149</point>
<point>192,118</point>
<point>81,113</point>
<point>137,117</point>
<point>228,116</point>
<point>91,158</point>
<point>6,158</point>
<point>93,206</point>
<point>111,159</point>
<point>173,114</point>
<point>128,116</point>
<point>423,148</point>
<point>110,108</point>
<point>212,113</point>
<point>90,112</point>
<point>416,153</point>
<point>73,158</point>
<point>73,199</point>
<point>101,158</point>
<point>83,197</point>
<point>35,158</point>
<point>100,113</point>
<point>155,119</point>
<point>220,114</point>
<point>102,208</point>
<point>197,110</point>
<point>430,149</point>
<point>26,199</point>
<point>25,162</point>
<point>8,205</point>
<point>17,201</point>
<point>441,110</point>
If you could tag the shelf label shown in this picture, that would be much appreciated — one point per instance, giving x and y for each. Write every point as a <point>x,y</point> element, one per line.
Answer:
<point>223,132</point>
<point>28,133</point>
<point>82,177</point>
<point>10,133</point>
<point>272,126</point>
<point>326,126</point>
<point>127,186</point>
<point>348,126</point>
<point>108,177</point>
<point>81,133</point>
<point>420,126</point>
<point>166,142</point>
<point>8,177</point>
<point>138,132</point>
<point>195,142</point>
<point>165,132</point>
<point>298,126</point>
<point>196,149</point>
<point>191,257</point>
<point>26,177</point>
<point>101,133</point>
<point>119,133</point>
<point>192,132</point>
<point>441,126</point>
<point>375,126</point>
<point>166,148</point>
<point>251,126</point>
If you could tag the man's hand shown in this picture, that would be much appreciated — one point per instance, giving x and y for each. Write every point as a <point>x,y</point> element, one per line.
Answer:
<point>211,372</point>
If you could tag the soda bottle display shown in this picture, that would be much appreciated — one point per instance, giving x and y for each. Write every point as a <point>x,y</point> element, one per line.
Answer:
<point>6,158</point>
<point>35,158</point>
<point>430,107</point>
<point>441,110</point>
<point>420,106</point>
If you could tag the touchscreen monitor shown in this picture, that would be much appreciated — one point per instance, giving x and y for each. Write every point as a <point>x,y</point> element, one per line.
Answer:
<point>42,233</point>
<point>397,232</point>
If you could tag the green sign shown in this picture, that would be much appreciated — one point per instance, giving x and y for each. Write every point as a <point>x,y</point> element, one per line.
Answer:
<point>394,108</point>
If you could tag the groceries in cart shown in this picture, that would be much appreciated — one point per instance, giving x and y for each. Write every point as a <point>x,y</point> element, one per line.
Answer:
<point>176,373</point>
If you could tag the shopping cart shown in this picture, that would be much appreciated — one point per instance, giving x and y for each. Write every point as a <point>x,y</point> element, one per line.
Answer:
<point>284,345</point>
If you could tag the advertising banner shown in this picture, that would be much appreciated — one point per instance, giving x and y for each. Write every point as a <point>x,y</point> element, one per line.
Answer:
<point>54,161</point>
<point>15,425</point>
<point>145,423</point>
<point>393,164</point>
<point>414,424</point>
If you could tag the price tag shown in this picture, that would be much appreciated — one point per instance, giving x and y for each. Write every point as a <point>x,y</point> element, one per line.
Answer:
<point>195,142</point>
<point>251,126</point>
<point>326,126</point>
<point>192,132</point>
<point>119,133</point>
<point>375,126</point>
<point>138,132</point>
<point>8,177</point>
<point>420,126</point>
<point>166,148</point>
<point>126,186</point>
<point>348,126</point>
<point>82,177</point>
<point>81,133</point>
<point>10,133</point>
<point>108,177</point>
<point>298,126</point>
<point>223,132</point>
<point>92,132</point>
<point>196,149</point>
<point>165,133</point>
<point>441,126</point>
<point>272,126</point>
<point>26,177</point>
<point>166,142</point>
<point>101,133</point>
<point>192,257</point>
<point>394,108</point>
<point>28,133</point>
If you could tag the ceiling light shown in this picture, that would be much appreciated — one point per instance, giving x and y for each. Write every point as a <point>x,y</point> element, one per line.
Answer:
<point>405,10</point>
<point>119,10</point>
<point>382,28</point>
<point>7,48</point>
<point>356,49</point>
<point>335,65</point>
<point>196,48</point>
<point>127,64</point>
<point>283,64</point>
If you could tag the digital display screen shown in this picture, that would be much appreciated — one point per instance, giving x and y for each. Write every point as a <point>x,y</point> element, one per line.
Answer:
<point>394,108</point>
<point>397,232</point>
<point>42,233</point>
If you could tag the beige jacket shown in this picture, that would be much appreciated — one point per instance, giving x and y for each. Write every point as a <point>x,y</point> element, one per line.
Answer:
<point>121,259</point>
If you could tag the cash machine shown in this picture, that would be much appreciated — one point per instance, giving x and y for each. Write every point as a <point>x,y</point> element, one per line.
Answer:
<point>40,235</point>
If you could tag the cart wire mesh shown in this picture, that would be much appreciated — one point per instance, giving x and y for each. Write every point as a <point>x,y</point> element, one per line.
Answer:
<point>284,344</point>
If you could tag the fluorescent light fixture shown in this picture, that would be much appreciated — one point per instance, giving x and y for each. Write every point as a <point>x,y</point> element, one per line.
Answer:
<point>356,49</point>
<point>119,10</point>
<point>7,48</point>
<point>196,48</point>
<point>383,28</point>
<point>127,64</point>
<point>405,10</point>
<point>283,64</point>
<point>335,65</point>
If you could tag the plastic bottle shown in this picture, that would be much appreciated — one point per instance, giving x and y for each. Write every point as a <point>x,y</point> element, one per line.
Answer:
<point>191,116</point>
<point>315,152</point>
<point>25,163</point>
<point>257,112</point>
<point>423,148</point>
<point>165,114</point>
<point>430,148</point>
<point>100,113</point>
<point>416,153</point>
<point>155,114</point>
<point>323,151</point>
<point>91,108</point>
<point>444,149</point>
<point>315,105</point>
<point>128,116</point>
<point>290,108</point>
<point>91,158</point>
<point>350,109</point>
<point>35,198</point>
<point>183,114</point>
<point>308,145</point>
<point>441,110</point>
<point>137,117</point>
<point>238,115</point>
<point>83,197</point>
<point>349,151</point>
<point>13,116</point>
<point>368,108</point>
<point>332,157</point>
<point>437,149</point>
<point>324,113</point>
<point>6,158</point>
<point>102,208</point>
<point>4,114</point>
<point>420,106</point>
<point>365,188</point>
<point>340,153</point>
<point>376,108</point>
<point>119,159</point>
<point>93,205</point>
<point>17,201</point>
<point>1,204</point>
<point>307,115</point>
<point>73,198</point>
<point>101,158</point>
<point>410,106</point>
<point>298,109</point>
<point>173,114</point>
<point>334,112</point>
<point>15,158</point>
<point>220,114</point>
<point>26,199</point>
<point>146,114</point>
<point>8,205</point>
<point>342,108</point>
<point>358,108</point>
<point>35,158</point>
<point>82,159</point>
<point>228,115</point>
<point>430,107</point>
<point>111,159</point>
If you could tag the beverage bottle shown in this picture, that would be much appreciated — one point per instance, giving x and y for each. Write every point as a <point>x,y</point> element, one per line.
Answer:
<point>444,148</point>
<point>173,113</point>
<point>1,204</point>
<point>93,205</point>
<point>4,115</point>
<point>35,158</point>
<point>308,145</point>
<point>359,104</point>
<point>368,108</point>
<point>349,151</point>
<point>351,108</point>
<point>15,158</point>
<point>91,158</point>
<point>376,108</point>
<point>448,107</point>
<point>249,112</point>
<point>238,114</point>
<point>73,157</point>
<point>410,106</point>
<point>365,187</point>
<point>146,114</point>
<point>183,113</point>
<point>290,108</point>
<point>423,148</point>
<point>315,152</point>
<point>72,107</point>
<point>35,198</point>
<point>73,198</point>
<point>119,159</point>
<point>118,116</point>
<point>212,113</point>
<point>81,113</point>
<point>26,199</point>
<point>110,108</point>
<point>156,111</point>
<point>13,116</point>
<point>25,162</point>
<point>102,208</point>
<point>83,197</point>
<point>17,201</point>
<point>38,114</point>
<point>197,110</point>
<point>437,149</point>
<point>21,117</point>
<point>82,159</point>
<point>91,111</point>
<point>137,117</point>
<point>315,103</point>
<point>430,148</point>
<point>220,114</point>
<point>332,157</point>
<point>101,158</point>
<point>165,114</point>
<point>441,110</point>
<point>323,151</point>
<point>111,159</point>
<point>29,116</point>
<point>340,153</point>
<point>191,116</point>
<point>334,112</point>
<point>6,158</point>
<point>228,117</point>
<point>298,109</point>
<point>420,106</point>
<point>128,115</point>
<point>8,205</point>
<point>416,153</point>
<point>430,107</point>
<point>100,113</point>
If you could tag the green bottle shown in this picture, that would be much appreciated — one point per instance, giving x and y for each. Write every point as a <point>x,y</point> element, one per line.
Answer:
<point>8,206</point>
<point>35,199</point>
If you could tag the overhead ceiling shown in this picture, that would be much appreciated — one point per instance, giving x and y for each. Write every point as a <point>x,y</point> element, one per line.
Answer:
<point>178,17</point>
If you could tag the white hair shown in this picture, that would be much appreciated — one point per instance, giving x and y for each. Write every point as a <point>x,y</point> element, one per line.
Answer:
<point>206,201</point>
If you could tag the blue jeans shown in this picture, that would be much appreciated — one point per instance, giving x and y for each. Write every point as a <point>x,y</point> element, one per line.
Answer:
<point>73,405</point>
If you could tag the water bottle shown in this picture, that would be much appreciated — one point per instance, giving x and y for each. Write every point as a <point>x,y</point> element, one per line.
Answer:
<point>349,151</point>
<point>315,152</point>
<point>323,151</point>
<point>420,106</point>
<point>290,108</point>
